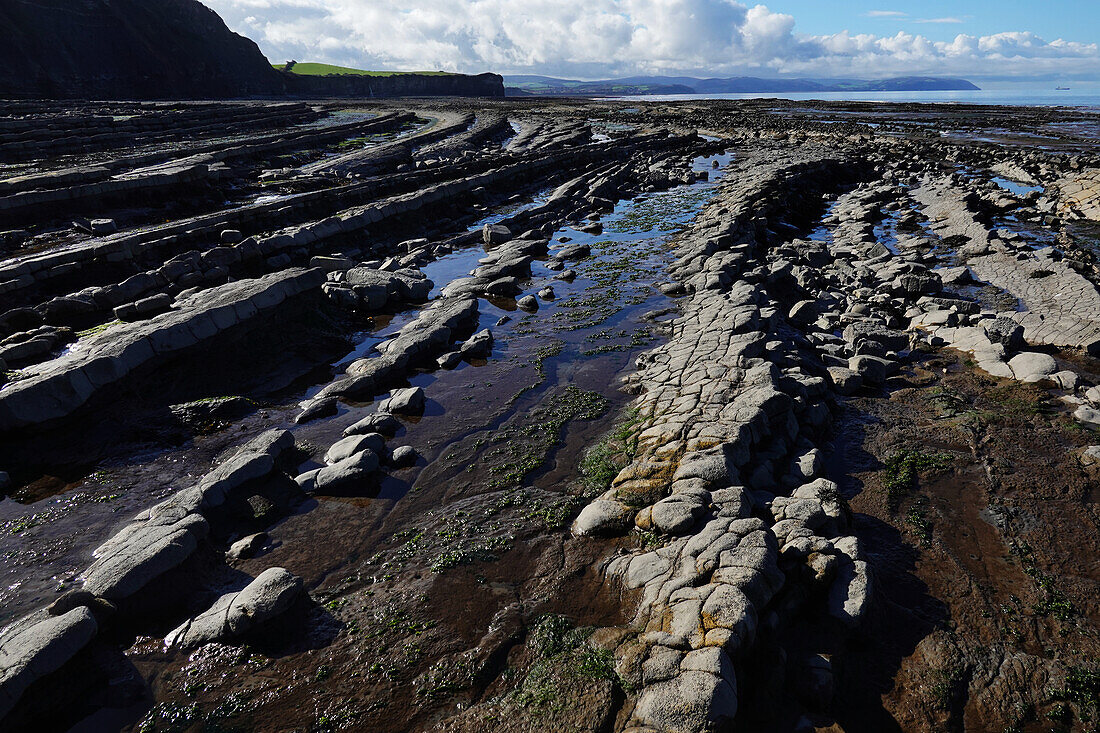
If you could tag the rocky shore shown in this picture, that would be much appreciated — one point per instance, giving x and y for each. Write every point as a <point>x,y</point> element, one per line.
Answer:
<point>533,415</point>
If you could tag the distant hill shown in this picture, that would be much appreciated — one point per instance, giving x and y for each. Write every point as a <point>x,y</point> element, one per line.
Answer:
<point>523,85</point>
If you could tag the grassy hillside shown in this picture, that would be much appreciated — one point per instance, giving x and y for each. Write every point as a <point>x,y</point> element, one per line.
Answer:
<point>308,68</point>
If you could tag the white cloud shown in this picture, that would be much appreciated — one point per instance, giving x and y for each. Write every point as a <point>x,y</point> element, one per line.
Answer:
<point>886,14</point>
<point>603,38</point>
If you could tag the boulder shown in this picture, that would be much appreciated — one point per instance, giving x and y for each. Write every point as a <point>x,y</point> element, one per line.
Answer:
<point>919,283</point>
<point>234,614</point>
<point>200,415</point>
<point>495,234</point>
<point>1005,331</point>
<point>403,456</point>
<point>804,311</point>
<point>573,252</point>
<point>339,475</point>
<point>353,444</point>
<point>76,598</point>
<point>331,264</point>
<point>316,409</point>
<point>253,460</point>
<point>662,664</point>
<point>955,275</point>
<point>690,702</point>
<point>144,308</point>
<point>871,369</point>
<point>677,514</point>
<point>478,346</point>
<point>37,645</point>
<point>504,287</point>
<point>449,360</point>
<point>408,401</point>
<point>602,516</point>
<point>379,422</point>
<point>846,381</point>
<point>1090,456</point>
<point>405,285</point>
<point>1032,366</point>
<point>1087,415</point>
<point>247,546</point>
<point>850,593</point>
<point>870,330</point>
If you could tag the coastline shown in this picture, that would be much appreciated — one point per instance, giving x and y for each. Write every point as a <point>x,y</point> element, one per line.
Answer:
<point>1089,99</point>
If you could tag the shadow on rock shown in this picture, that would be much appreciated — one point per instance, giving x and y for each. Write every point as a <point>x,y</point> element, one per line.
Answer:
<point>902,613</point>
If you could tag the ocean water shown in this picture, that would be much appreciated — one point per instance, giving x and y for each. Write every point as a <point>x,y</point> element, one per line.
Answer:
<point>1043,97</point>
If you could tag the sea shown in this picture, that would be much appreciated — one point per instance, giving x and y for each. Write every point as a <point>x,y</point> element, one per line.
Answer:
<point>1042,97</point>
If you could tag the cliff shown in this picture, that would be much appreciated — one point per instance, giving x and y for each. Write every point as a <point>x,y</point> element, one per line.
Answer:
<point>396,85</point>
<point>169,49</point>
<point>126,49</point>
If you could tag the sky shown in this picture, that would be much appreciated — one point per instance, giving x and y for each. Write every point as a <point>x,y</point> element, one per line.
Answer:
<point>982,40</point>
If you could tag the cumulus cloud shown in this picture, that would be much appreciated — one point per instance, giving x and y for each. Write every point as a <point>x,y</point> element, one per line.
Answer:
<point>602,38</point>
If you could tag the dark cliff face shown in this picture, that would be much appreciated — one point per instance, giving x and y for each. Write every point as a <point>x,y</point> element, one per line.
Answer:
<point>143,49</point>
<point>398,85</point>
<point>167,49</point>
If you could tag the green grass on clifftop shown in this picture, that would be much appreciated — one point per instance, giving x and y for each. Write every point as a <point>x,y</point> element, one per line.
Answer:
<point>313,69</point>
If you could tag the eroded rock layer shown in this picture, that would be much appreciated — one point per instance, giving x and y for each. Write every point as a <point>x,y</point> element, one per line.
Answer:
<point>726,416</point>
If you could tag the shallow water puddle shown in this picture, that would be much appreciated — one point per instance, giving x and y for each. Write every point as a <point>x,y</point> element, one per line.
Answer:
<point>501,423</point>
<point>577,344</point>
<point>1020,189</point>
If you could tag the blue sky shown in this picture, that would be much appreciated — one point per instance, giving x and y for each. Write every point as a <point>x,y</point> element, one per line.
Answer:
<point>1072,20</point>
<point>982,40</point>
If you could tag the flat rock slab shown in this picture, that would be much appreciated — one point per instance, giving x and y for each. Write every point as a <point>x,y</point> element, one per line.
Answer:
<point>143,555</point>
<point>39,644</point>
<point>1080,195</point>
<point>399,285</point>
<point>162,537</point>
<point>65,384</point>
<point>1063,306</point>
<point>418,342</point>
